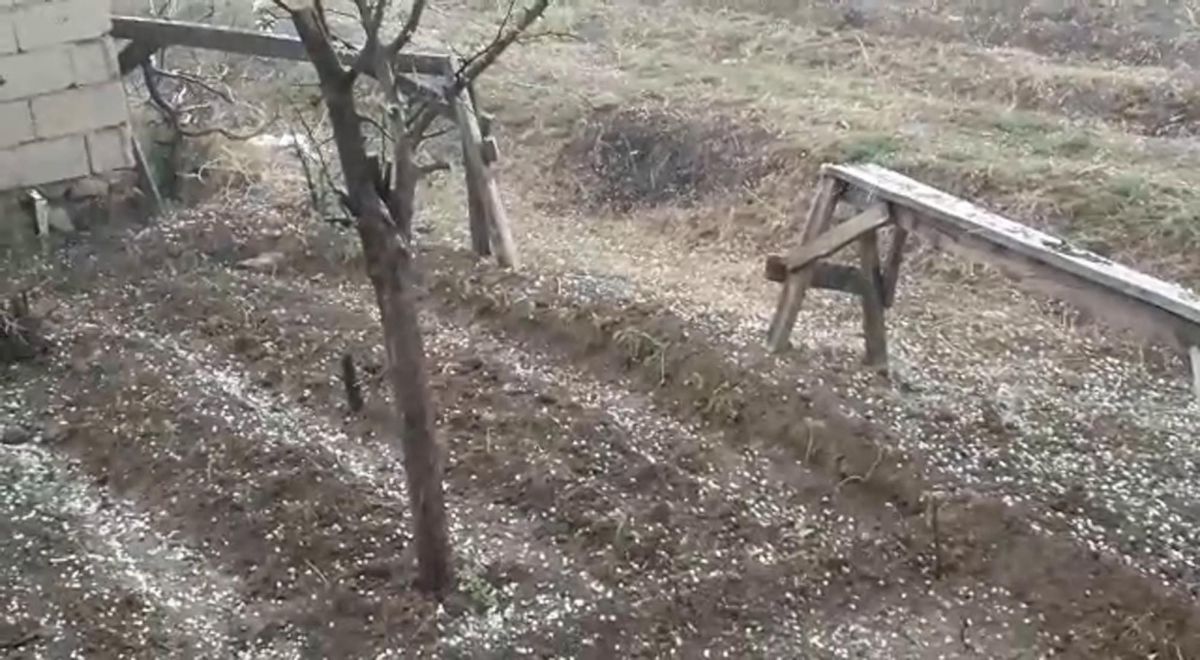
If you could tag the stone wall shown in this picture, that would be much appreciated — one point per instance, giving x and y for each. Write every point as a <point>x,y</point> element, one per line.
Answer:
<point>63,113</point>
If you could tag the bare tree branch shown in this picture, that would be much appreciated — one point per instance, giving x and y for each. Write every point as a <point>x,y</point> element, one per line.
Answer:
<point>173,115</point>
<point>480,61</point>
<point>410,27</point>
<point>224,95</point>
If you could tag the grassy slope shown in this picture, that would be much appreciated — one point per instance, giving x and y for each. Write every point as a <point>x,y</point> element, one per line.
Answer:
<point>1054,141</point>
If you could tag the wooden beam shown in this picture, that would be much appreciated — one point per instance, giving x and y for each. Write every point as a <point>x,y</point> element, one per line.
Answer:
<point>162,33</point>
<point>1119,310</point>
<point>962,216</point>
<point>499,231</point>
<point>796,285</point>
<point>874,328</point>
<point>834,277</point>
<point>481,244</point>
<point>150,34</point>
<point>837,237</point>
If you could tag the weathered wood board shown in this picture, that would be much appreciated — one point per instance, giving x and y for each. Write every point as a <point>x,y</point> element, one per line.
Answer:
<point>836,237</point>
<point>938,206</point>
<point>150,34</point>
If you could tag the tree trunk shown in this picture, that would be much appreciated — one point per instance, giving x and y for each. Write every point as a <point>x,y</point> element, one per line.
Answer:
<point>389,265</point>
<point>390,268</point>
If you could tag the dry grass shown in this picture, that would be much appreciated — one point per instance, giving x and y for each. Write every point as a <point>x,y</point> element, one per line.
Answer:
<point>1053,142</point>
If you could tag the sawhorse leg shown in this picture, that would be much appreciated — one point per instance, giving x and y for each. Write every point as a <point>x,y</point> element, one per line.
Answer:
<point>795,287</point>
<point>1194,354</point>
<point>874,326</point>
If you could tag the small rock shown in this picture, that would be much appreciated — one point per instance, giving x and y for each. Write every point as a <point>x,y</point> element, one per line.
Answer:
<point>266,261</point>
<point>945,414</point>
<point>15,435</point>
<point>606,103</point>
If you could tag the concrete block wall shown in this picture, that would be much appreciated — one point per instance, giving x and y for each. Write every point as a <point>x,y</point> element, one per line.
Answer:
<point>63,113</point>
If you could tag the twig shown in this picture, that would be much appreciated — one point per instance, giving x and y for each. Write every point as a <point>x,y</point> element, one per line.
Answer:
<point>480,61</point>
<point>313,197</point>
<point>354,395</point>
<point>811,435</point>
<point>865,477</point>
<point>23,640</point>
<point>549,34</point>
<point>188,78</point>
<point>410,27</point>
<point>172,114</point>
<point>934,504</point>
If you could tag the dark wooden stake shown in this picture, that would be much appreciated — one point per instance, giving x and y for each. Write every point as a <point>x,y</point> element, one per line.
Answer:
<point>481,245</point>
<point>354,397</point>
<point>874,328</point>
<point>891,270</point>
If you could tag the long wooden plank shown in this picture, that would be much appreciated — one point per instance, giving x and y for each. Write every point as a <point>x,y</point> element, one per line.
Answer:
<point>964,216</point>
<point>150,34</point>
<point>795,287</point>
<point>247,42</point>
<point>1118,309</point>
<point>837,237</point>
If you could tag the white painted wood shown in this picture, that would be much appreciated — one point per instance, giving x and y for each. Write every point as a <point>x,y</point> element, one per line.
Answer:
<point>1194,352</point>
<point>966,217</point>
<point>41,213</point>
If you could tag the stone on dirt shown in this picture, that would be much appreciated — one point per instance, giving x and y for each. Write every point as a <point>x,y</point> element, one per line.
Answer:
<point>266,261</point>
<point>15,435</point>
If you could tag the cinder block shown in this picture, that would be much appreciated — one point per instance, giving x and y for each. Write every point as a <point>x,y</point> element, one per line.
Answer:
<point>80,110</point>
<point>109,150</point>
<point>30,74</point>
<point>48,23</point>
<point>9,172</point>
<point>16,123</point>
<point>8,36</point>
<point>46,161</point>
<point>94,62</point>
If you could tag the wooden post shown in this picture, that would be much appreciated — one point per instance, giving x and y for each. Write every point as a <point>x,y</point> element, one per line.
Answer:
<point>891,270</point>
<point>874,327</point>
<point>488,190</point>
<point>477,211</point>
<point>796,285</point>
<point>480,243</point>
<point>1194,353</point>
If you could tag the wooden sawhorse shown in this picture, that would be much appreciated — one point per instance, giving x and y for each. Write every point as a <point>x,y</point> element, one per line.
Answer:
<point>1157,310</point>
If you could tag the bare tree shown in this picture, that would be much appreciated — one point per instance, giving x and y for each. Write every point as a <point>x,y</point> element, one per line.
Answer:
<point>381,198</point>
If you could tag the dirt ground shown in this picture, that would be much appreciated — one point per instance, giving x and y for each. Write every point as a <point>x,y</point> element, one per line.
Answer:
<point>629,473</point>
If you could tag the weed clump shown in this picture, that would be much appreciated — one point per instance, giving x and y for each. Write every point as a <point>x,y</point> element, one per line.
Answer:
<point>642,157</point>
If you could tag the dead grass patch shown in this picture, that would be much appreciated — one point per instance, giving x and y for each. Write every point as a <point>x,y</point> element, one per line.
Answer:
<point>652,156</point>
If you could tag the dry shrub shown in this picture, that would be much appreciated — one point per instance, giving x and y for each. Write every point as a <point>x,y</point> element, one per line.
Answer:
<point>646,157</point>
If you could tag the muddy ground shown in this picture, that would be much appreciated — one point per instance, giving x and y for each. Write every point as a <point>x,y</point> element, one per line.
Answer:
<point>629,474</point>
<point>191,484</point>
